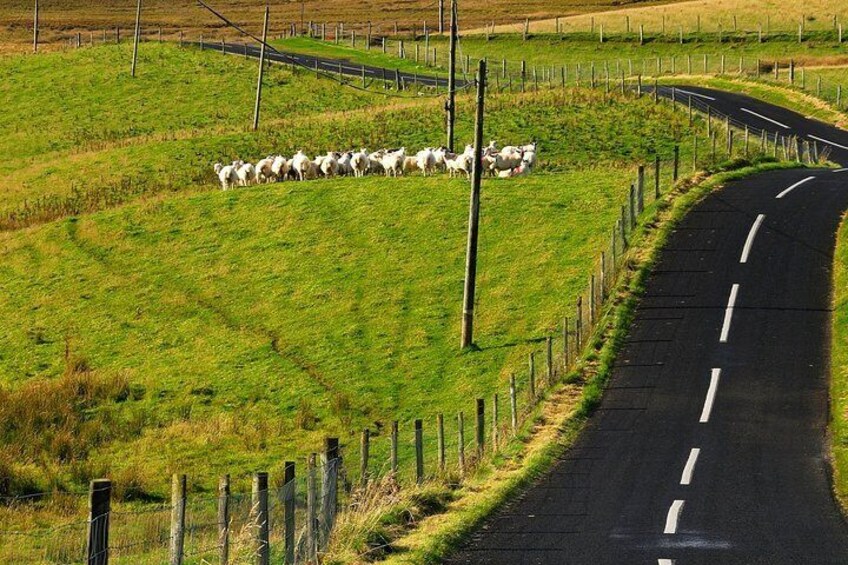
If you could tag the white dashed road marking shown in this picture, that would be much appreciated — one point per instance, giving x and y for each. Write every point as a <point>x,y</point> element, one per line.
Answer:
<point>827,141</point>
<point>673,517</point>
<point>690,466</point>
<point>746,250</point>
<point>794,186</point>
<point>728,313</point>
<point>775,122</point>
<point>711,394</point>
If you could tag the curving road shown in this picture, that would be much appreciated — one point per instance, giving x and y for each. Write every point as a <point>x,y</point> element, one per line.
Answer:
<point>332,66</point>
<point>710,443</point>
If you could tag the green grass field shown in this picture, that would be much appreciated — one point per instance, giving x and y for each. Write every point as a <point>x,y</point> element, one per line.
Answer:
<point>214,332</point>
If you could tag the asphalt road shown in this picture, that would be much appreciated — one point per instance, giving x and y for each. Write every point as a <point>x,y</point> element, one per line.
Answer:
<point>710,443</point>
<point>334,66</point>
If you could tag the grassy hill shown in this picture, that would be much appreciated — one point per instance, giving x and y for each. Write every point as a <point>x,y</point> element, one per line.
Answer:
<point>223,332</point>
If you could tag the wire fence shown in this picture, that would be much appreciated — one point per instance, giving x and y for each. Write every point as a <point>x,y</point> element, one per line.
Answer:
<point>511,75</point>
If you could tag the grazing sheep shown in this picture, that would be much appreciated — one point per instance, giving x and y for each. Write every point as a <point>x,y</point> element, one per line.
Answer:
<point>410,165</point>
<point>442,154</point>
<point>329,166</point>
<point>426,161</point>
<point>227,175</point>
<point>246,174</point>
<point>301,165</point>
<point>375,162</point>
<point>521,170</point>
<point>529,158</point>
<point>360,162</point>
<point>345,167</point>
<point>503,161</point>
<point>265,171</point>
<point>280,168</point>
<point>392,162</point>
<point>461,164</point>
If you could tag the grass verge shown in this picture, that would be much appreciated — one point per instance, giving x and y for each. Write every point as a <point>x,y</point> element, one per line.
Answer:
<point>839,368</point>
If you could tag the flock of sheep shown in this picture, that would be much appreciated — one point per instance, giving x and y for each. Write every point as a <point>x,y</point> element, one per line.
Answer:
<point>509,161</point>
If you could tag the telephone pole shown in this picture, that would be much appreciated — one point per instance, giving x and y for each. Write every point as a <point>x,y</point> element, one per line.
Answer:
<point>474,215</point>
<point>441,16</point>
<point>35,29</point>
<point>136,38</point>
<point>451,105</point>
<point>261,71</point>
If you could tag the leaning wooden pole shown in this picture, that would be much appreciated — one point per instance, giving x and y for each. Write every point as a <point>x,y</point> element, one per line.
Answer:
<point>136,37</point>
<point>474,215</point>
<point>452,78</point>
<point>261,71</point>
<point>35,29</point>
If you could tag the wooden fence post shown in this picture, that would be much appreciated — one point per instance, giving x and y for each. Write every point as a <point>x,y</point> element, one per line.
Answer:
<point>495,432</point>
<point>178,513</point>
<point>579,326</point>
<point>99,509</point>
<point>656,176</point>
<point>259,503</point>
<point>440,440</point>
<point>311,510</point>
<point>460,426</point>
<point>676,168</point>
<point>289,495</point>
<point>224,519</point>
<point>364,451</point>
<point>419,452</point>
<point>513,404</point>
<point>565,339</point>
<point>480,429</point>
<point>329,487</point>
<point>393,455</point>
<point>532,375</point>
<point>550,359</point>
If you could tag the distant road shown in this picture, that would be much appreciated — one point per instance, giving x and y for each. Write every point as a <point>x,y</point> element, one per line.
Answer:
<point>330,65</point>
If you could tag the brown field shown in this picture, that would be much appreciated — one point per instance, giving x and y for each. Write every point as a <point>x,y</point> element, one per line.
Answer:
<point>61,20</point>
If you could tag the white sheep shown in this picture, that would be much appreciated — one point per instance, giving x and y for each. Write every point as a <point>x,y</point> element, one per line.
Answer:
<point>393,162</point>
<point>426,161</point>
<point>461,164</point>
<point>246,174</point>
<point>375,162</point>
<point>521,170</point>
<point>265,171</point>
<point>227,175</point>
<point>345,167</point>
<point>280,168</point>
<point>410,165</point>
<point>302,166</point>
<point>329,165</point>
<point>360,162</point>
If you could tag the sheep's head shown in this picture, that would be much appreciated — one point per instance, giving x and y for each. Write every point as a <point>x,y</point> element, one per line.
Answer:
<point>218,167</point>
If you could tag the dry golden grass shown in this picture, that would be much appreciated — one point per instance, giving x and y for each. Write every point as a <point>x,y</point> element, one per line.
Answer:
<point>62,19</point>
<point>777,15</point>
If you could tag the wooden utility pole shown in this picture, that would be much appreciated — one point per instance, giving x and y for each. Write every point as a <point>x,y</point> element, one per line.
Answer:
<point>35,29</point>
<point>261,72</point>
<point>442,16</point>
<point>474,214</point>
<point>451,105</point>
<point>136,37</point>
